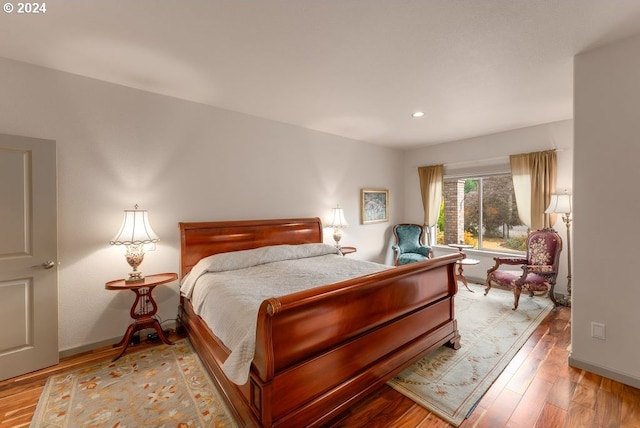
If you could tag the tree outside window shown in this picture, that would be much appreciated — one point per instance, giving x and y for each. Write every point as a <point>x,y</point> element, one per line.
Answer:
<point>481,211</point>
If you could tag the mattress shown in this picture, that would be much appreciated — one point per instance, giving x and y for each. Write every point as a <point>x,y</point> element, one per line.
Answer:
<point>227,289</point>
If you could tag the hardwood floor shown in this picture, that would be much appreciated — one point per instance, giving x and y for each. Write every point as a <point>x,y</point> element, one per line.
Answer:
<point>537,389</point>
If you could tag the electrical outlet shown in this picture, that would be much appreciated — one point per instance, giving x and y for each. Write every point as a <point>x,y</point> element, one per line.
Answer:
<point>597,330</point>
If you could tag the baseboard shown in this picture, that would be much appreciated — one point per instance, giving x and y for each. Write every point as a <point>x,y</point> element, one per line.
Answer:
<point>107,342</point>
<point>622,378</point>
<point>88,347</point>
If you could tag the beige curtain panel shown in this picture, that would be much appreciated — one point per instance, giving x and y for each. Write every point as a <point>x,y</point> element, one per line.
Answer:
<point>534,180</point>
<point>431,191</point>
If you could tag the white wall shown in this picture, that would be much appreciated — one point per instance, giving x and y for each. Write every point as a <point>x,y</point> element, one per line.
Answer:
<point>607,177</point>
<point>183,162</point>
<point>487,149</point>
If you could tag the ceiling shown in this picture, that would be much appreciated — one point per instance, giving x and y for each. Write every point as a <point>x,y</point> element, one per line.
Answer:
<point>355,68</point>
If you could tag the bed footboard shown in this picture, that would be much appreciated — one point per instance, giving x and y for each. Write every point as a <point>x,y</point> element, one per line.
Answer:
<point>338,342</point>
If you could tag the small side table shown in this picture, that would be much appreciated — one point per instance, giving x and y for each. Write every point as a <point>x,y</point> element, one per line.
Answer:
<point>144,307</point>
<point>348,250</point>
<point>468,262</point>
<point>459,275</point>
<point>460,247</point>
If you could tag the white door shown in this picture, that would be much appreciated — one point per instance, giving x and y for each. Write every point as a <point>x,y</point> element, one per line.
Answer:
<point>28,255</point>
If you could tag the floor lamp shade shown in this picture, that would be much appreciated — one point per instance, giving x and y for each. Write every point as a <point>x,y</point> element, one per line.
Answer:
<point>559,204</point>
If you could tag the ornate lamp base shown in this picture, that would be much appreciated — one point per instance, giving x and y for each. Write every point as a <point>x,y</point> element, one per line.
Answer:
<point>135,255</point>
<point>565,301</point>
<point>134,277</point>
<point>337,235</point>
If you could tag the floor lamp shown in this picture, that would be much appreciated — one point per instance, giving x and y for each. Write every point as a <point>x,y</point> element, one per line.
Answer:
<point>561,204</point>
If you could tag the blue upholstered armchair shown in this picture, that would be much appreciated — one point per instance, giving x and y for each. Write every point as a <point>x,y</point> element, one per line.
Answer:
<point>409,248</point>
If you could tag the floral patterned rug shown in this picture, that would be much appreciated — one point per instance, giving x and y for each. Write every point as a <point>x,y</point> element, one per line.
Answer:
<point>449,383</point>
<point>163,386</point>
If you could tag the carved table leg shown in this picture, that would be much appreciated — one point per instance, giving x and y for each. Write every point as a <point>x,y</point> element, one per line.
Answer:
<point>142,311</point>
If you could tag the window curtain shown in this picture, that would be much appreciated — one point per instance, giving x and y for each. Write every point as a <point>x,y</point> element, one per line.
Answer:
<point>431,191</point>
<point>534,180</point>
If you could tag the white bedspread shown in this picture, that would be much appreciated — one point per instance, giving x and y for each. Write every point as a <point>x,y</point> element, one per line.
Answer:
<point>226,290</point>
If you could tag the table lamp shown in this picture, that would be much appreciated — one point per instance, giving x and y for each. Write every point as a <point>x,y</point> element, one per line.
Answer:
<point>135,232</point>
<point>338,222</point>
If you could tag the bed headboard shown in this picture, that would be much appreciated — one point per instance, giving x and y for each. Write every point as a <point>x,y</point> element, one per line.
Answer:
<point>202,239</point>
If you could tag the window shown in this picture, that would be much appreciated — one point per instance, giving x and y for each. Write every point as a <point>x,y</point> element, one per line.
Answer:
<point>481,211</point>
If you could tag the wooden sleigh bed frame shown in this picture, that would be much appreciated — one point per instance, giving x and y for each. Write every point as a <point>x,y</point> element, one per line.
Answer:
<point>320,351</point>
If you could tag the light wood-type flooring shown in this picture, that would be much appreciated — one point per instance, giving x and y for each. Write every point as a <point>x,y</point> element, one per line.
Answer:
<point>538,389</point>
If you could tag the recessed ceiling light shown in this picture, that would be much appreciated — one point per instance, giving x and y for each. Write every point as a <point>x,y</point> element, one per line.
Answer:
<point>417,114</point>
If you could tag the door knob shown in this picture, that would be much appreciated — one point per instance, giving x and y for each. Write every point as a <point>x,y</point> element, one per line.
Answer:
<point>48,264</point>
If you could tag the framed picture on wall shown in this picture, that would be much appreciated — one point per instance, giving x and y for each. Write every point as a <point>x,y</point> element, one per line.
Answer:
<point>374,205</point>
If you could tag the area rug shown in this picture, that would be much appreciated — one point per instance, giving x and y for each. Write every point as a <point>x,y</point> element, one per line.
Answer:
<point>163,386</point>
<point>449,383</point>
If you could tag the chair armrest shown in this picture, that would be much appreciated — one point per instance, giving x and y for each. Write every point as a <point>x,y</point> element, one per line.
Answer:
<point>505,261</point>
<point>396,253</point>
<point>509,261</point>
<point>425,251</point>
<point>539,269</point>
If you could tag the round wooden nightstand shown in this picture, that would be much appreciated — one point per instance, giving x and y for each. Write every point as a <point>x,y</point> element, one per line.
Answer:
<point>464,262</point>
<point>460,247</point>
<point>460,276</point>
<point>348,250</point>
<point>144,307</point>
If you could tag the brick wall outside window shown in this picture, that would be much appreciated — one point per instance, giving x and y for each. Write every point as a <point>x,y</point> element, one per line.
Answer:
<point>453,211</point>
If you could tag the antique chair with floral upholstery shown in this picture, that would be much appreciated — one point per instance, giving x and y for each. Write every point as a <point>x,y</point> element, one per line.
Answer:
<point>538,270</point>
<point>408,247</point>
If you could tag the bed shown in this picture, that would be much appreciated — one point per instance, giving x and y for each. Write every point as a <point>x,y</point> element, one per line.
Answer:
<point>319,351</point>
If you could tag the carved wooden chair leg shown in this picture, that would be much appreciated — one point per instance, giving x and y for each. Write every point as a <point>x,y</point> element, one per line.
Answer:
<point>488,286</point>
<point>517,290</point>
<point>552,294</point>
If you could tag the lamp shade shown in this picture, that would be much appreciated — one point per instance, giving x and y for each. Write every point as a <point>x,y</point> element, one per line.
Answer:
<point>337,218</point>
<point>135,229</point>
<point>559,204</point>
